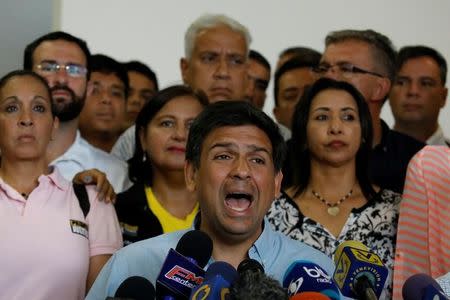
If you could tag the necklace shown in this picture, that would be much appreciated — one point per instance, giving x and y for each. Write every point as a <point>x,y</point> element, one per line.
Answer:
<point>333,209</point>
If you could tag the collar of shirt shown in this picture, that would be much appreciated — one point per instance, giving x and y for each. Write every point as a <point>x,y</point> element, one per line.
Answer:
<point>438,138</point>
<point>262,249</point>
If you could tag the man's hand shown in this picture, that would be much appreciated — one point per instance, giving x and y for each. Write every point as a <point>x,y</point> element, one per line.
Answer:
<point>93,176</point>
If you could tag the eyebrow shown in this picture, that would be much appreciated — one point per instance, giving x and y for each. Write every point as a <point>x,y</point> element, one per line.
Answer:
<point>291,89</point>
<point>347,108</point>
<point>252,147</point>
<point>14,98</point>
<point>51,61</point>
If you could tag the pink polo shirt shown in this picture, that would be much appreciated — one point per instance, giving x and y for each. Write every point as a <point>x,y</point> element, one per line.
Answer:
<point>46,243</point>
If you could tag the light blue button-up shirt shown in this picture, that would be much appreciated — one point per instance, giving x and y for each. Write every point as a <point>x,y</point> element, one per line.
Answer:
<point>272,249</point>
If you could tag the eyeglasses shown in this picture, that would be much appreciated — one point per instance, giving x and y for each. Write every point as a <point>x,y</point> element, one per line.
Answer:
<point>73,70</point>
<point>345,69</point>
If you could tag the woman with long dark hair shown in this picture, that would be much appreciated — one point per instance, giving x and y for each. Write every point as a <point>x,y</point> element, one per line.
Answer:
<point>332,199</point>
<point>159,202</point>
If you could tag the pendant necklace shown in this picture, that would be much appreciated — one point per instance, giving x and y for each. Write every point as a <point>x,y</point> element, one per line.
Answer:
<point>333,208</point>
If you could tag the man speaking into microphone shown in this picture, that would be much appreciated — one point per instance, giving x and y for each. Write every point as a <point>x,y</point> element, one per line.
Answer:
<point>233,165</point>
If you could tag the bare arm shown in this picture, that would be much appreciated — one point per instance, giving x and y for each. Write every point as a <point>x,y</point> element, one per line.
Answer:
<point>96,263</point>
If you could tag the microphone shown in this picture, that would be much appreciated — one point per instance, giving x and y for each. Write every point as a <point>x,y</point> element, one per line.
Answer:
<point>305,276</point>
<point>254,284</point>
<point>309,296</point>
<point>250,265</point>
<point>183,268</point>
<point>422,287</point>
<point>359,273</point>
<point>134,288</point>
<point>218,278</point>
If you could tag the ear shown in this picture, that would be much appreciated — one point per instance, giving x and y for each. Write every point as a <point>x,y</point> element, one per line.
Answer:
<point>184,68</point>
<point>190,176</point>
<point>444,97</point>
<point>89,88</point>
<point>381,90</point>
<point>278,180</point>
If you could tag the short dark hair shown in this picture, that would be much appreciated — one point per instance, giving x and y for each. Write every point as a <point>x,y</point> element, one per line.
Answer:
<point>104,64</point>
<point>255,55</point>
<point>409,52</point>
<point>23,73</point>
<point>298,62</point>
<point>140,170</point>
<point>143,69</point>
<point>53,36</point>
<point>233,113</point>
<point>301,156</point>
<point>301,52</point>
<point>383,51</point>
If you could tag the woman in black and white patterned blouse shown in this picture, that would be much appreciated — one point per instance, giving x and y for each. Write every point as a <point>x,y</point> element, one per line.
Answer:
<point>332,199</point>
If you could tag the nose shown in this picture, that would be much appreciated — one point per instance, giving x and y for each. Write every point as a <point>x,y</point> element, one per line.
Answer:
<point>413,89</point>
<point>332,73</point>
<point>180,133</point>
<point>25,119</point>
<point>61,76</point>
<point>335,126</point>
<point>105,97</point>
<point>222,70</point>
<point>241,169</point>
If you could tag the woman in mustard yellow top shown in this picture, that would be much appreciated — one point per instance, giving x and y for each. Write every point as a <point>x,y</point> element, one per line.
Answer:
<point>159,202</point>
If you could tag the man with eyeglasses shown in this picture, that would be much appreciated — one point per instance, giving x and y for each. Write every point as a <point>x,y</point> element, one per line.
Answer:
<point>63,60</point>
<point>258,78</point>
<point>366,59</point>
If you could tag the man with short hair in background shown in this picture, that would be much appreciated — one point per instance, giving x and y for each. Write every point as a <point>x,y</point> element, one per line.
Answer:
<point>419,93</point>
<point>63,60</point>
<point>104,110</point>
<point>258,78</point>
<point>216,57</point>
<point>143,86</point>
<point>290,82</point>
<point>216,62</point>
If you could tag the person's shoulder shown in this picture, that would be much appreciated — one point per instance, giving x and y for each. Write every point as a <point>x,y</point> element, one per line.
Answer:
<point>297,250</point>
<point>398,139</point>
<point>133,193</point>
<point>433,152</point>
<point>124,146</point>
<point>159,244</point>
<point>101,157</point>
<point>388,197</point>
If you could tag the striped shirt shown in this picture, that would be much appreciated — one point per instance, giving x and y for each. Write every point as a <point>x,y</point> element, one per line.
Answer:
<point>423,237</point>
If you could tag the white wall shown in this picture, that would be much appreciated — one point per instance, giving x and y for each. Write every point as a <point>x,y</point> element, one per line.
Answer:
<point>152,30</point>
<point>21,22</point>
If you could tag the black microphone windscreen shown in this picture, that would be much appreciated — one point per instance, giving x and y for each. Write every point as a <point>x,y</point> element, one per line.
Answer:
<point>256,286</point>
<point>136,287</point>
<point>250,264</point>
<point>196,245</point>
<point>414,287</point>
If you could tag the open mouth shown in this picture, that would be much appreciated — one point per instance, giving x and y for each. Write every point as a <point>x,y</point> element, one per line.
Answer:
<point>238,201</point>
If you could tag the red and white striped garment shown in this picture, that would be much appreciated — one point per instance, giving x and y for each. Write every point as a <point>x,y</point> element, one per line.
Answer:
<point>423,236</point>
